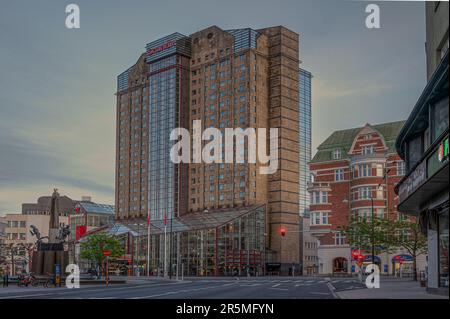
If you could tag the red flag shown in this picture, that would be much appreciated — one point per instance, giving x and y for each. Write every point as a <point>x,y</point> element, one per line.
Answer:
<point>148,219</point>
<point>80,231</point>
<point>165,219</point>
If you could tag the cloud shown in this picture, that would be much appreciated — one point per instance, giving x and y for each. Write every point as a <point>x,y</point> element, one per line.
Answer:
<point>25,163</point>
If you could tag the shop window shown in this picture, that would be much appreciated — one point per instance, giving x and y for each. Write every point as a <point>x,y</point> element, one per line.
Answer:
<point>443,249</point>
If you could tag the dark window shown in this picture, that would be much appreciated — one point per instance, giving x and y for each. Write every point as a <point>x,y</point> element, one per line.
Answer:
<point>414,151</point>
<point>439,118</point>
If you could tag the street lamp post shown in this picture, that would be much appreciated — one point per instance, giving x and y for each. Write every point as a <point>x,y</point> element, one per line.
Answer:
<point>171,244</point>
<point>373,233</point>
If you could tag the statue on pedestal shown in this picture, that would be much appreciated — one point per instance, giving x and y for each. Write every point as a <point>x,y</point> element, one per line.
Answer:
<point>52,252</point>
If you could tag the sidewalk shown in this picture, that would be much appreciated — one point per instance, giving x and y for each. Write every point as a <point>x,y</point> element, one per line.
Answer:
<point>391,289</point>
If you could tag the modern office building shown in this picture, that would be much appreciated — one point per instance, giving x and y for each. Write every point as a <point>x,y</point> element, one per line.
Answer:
<point>225,79</point>
<point>352,167</point>
<point>304,137</point>
<point>423,144</point>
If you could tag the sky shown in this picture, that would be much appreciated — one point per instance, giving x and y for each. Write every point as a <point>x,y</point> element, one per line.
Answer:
<point>57,85</point>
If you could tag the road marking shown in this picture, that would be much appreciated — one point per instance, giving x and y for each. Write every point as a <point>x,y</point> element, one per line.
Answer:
<point>275,285</point>
<point>278,288</point>
<point>88,289</point>
<point>175,292</point>
<point>332,290</point>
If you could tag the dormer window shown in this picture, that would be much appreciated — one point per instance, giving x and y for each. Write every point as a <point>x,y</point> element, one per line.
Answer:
<point>367,149</point>
<point>337,153</point>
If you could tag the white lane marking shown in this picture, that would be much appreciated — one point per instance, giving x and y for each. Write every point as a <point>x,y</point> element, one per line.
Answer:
<point>175,292</point>
<point>278,288</point>
<point>86,289</point>
<point>332,290</point>
<point>275,285</point>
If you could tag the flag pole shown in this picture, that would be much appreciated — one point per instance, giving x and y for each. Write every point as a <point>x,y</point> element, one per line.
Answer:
<point>165,245</point>
<point>148,243</point>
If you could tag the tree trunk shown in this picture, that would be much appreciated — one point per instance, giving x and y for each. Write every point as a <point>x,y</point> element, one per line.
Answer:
<point>414,267</point>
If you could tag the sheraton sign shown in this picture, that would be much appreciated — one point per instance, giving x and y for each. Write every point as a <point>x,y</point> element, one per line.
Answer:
<point>160,48</point>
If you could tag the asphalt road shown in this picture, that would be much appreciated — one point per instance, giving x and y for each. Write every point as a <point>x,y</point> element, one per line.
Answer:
<point>196,288</point>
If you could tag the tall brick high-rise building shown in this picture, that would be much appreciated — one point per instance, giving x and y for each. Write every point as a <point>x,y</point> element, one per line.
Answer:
<point>352,167</point>
<point>226,79</point>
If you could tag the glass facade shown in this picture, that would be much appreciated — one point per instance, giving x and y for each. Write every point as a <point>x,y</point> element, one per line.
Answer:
<point>304,139</point>
<point>162,120</point>
<point>244,38</point>
<point>201,244</point>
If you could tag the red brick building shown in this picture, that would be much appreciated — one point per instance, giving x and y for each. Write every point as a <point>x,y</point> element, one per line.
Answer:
<point>351,167</point>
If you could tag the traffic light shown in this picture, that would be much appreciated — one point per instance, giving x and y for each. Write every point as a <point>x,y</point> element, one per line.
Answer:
<point>283,231</point>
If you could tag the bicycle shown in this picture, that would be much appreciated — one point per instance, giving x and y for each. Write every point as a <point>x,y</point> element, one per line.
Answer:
<point>49,281</point>
<point>27,279</point>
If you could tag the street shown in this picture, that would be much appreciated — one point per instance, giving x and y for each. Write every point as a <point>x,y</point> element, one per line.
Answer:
<point>197,288</point>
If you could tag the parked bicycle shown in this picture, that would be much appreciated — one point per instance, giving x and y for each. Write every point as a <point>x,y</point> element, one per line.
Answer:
<point>24,280</point>
<point>50,281</point>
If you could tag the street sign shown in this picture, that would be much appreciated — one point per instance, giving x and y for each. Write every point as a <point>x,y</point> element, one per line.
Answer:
<point>57,275</point>
<point>106,253</point>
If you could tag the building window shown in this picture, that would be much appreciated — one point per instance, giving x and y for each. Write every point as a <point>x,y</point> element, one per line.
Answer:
<point>380,213</point>
<point>319,218</point>
<point>339,239</point>
<point>367,149</point>
<point>365,170</point>
<point>379,169</point>
<point>319,197</point>
<point>400,168</point>
<point>439,118</point>
<point>414,152</point>
<point>365,192</point>
<point>337,153</point>
<point>339,175</point>
<point>364,213</point>
<point>380,192</point>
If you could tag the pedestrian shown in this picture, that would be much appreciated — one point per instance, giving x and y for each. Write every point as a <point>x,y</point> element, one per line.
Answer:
<point>6,278</point>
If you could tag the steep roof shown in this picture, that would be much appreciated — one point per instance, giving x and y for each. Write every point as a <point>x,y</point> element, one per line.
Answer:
<point>343,140</point>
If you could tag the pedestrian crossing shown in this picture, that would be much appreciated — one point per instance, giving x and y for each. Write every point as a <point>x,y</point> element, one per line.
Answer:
<point>278,281</point>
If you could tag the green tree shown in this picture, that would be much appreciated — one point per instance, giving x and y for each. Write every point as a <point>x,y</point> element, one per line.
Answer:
<point>362,234</point>
<point>387,236</point>
<point>409,237</point>
<point>92,248</point>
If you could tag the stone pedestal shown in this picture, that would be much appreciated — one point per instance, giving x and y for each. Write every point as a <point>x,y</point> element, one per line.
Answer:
<point>47,256</point>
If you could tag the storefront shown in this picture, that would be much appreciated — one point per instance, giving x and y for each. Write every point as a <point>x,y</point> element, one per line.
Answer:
<point>424,191</point>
